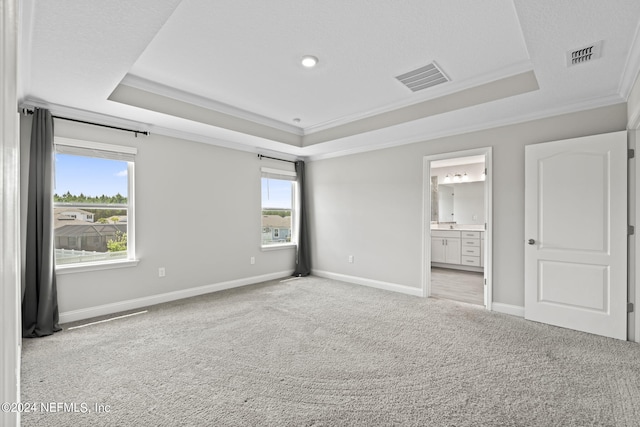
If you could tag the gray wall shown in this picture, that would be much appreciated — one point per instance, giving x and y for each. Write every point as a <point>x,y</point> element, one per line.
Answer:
<point>197,214</point>
<point>369,205</point>
<point>198,211</point>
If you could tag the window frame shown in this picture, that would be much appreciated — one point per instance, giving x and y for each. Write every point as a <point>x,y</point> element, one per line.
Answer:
<point>94,149</point>
<point>284,175</point>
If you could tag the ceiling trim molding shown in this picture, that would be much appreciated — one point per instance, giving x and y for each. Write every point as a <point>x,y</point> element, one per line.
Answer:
<point>538,115</point>
<point>210,104</point>
<point>153,102</point>
<point>188,136</point>
<point>264,146</point>
<point>439,91</point>
<point>89,116</point>
<point>161,99</point>
<point>489,92</point>
<point>252,146</point>
<point>435,92</point>
<point>302,153</point>
<point>631,67</point>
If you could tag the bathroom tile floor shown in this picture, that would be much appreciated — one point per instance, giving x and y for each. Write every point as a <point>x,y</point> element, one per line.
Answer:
<point>458,285</point>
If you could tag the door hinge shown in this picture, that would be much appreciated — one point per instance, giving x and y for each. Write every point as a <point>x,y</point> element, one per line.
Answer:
<point>631,153</point>
<point>629,307</point>
<point>631,230</point>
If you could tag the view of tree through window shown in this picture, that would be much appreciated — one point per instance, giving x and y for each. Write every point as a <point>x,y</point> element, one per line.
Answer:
<point>91,209</point>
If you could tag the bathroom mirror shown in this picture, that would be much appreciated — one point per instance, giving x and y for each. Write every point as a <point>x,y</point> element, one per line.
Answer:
<point>446,211</point>
<point>462,203</point>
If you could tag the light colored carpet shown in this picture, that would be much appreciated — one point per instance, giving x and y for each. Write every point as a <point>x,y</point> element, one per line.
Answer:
<point>316,352</point>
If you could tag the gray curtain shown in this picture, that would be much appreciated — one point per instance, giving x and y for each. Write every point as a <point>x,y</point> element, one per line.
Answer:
<point>303,260</point>
<point>40,299</point>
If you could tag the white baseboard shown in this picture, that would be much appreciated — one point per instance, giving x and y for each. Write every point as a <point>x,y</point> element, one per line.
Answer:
<point>514,310</point>
<point>116,307</point>
<point>393,287</point>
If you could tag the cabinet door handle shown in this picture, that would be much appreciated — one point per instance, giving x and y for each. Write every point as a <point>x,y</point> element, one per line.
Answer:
<point>531,242</point>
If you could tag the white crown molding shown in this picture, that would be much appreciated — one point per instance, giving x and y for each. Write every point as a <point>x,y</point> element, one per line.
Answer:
<point>78,114</point>
<point>163,90</point>
<point>435,92</point>
<point>302,153</point>
<point>252,146</point>
<point>631,67</point>
<point>263,146</point>
<point>432,93</point>
<point>550,112</point>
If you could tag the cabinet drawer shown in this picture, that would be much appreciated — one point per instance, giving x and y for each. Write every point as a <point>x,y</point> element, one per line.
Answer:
<point>471,260</point>
<point>452,234</point>
<point>471,242</point>
<point>471,250</point>
<point>471,234</point>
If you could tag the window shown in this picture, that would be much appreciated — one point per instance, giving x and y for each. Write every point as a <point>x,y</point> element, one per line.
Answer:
<point>93,203</point>
<point>278,207</point>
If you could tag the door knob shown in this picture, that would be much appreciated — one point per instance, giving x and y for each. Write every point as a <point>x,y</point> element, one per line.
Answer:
<point>531,242</point>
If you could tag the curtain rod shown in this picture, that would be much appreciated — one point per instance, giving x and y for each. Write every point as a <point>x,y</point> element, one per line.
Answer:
<point>136,132</point>
<point>260,156</point>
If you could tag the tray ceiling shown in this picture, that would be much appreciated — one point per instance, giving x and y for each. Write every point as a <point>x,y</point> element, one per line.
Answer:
<point>229,73</point>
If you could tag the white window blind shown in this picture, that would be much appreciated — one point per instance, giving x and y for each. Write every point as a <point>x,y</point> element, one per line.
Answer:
<point>95,149</point>
<point>278,174</point>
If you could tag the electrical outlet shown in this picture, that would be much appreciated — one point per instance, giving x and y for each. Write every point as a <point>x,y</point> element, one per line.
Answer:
<point>350,259</point>
<point>252,260</point>
<point>161,272</point>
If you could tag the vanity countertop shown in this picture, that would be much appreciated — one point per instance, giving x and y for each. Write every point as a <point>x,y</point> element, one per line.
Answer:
<point>458,228</point>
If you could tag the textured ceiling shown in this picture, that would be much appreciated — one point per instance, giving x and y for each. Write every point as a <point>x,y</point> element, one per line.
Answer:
<point>252,61</point>
<point>228,72</point>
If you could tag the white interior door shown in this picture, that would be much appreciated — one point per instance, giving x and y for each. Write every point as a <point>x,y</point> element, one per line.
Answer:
<point>576,234</point>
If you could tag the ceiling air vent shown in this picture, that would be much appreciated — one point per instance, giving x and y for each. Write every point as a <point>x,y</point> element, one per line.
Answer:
<point>423,77</point>
<point>584,54</point>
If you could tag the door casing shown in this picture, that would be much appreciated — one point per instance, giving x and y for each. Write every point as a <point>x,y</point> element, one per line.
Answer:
<point>426,219</point>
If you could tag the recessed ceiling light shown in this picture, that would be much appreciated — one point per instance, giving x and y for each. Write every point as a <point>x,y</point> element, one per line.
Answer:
<point>309,61</point>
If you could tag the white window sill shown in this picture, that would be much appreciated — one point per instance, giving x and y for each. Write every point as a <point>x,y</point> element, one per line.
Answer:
<point>95,266</point>
<point>278,247</point>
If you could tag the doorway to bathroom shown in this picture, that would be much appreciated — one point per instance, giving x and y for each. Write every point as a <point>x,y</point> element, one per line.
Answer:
<point>457,232</point>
